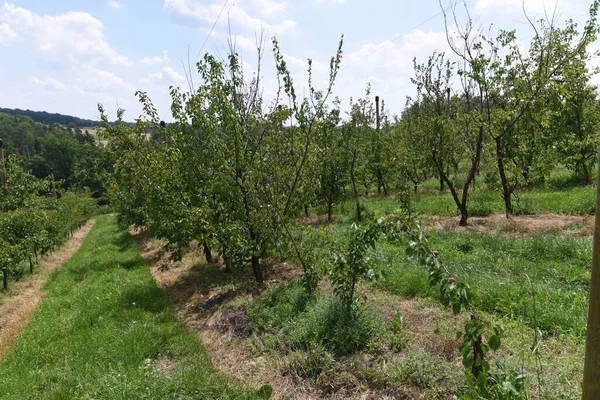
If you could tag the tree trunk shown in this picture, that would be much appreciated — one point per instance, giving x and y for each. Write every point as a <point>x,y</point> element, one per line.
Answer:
<point>306,210</point>
<point>207,253</point>
<point>507,196</point>
<point>464,215</point>
<point>257,269</point>
<point>30,266</point>
<point>441,182</point>
<point>5,278</point>
<point>586,173</point>
<point>591,370</point>
<point>506,189</point>
<point>416,188</point>
<point>385,191</point>
<point>329,210</point>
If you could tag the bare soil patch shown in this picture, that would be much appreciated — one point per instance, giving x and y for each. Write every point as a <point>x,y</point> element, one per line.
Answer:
<point>17,308</point>
<point>518,225</point>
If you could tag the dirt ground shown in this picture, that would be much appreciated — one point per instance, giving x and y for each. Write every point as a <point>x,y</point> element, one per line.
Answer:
<point>17,308</point>
<point>515,226</point>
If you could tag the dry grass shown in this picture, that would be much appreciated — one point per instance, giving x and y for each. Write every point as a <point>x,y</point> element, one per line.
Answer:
<point>25,296</point>
<point>520,225</point>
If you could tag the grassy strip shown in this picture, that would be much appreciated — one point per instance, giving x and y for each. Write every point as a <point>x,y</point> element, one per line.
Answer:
<point>570,201</point>
<point>504,273</point>
<point>105,330</point>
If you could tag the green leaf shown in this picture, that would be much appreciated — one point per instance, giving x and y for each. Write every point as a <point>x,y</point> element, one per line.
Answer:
<point>265,392</point>
<point>494,342</point>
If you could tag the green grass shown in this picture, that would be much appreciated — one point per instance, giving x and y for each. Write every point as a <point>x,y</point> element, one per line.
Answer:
<point>570,201</point>
<point>299,322</point>
<point>504,272</point>
<point>101,328</point>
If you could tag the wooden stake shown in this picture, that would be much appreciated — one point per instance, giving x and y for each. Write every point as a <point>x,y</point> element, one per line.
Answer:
<point>591,370</point>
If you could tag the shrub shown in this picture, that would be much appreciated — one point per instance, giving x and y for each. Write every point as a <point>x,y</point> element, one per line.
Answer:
<point>326,322</point>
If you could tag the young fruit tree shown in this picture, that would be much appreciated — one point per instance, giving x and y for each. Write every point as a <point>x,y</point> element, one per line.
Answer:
<point>232,170</point>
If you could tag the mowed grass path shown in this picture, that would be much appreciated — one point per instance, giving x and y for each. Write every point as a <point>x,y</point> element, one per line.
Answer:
<point>106,331</point>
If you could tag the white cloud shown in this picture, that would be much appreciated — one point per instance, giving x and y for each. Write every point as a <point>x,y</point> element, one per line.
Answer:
<point>74,36</point>
<point>97,80</point>
<point>49,84</point>
<point>165,76</point>
<point>7,34</point>
<point>115,4</point>
<point>164,59</point>
<point>173,75</point>
<point>191,12</point>
<point>155,77</point>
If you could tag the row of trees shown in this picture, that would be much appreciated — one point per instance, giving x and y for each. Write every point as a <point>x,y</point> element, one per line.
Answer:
<point>33,220</point>
<point>510,112</point>
<point>233,171</point>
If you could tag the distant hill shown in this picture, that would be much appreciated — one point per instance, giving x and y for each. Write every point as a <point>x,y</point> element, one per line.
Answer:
<point>46,118</point>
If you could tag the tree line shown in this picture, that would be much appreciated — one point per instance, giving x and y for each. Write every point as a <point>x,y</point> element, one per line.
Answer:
<point>74,156</point>
<point>47,118</point>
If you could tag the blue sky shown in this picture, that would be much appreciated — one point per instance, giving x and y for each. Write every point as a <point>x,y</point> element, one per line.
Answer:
<point>67,55</point>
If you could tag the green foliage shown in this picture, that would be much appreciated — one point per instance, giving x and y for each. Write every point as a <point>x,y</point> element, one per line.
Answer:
<point>352,264</point>
<point>565,201</point>
<point>76,159</point>
<point>32,225</point>
<point>419,370</point>
<point>264,392</point>
<point>496,269</point>
<point>307,247</point>
<point>226,173</point>
<point>279,307</point>
<point>310,364</point>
